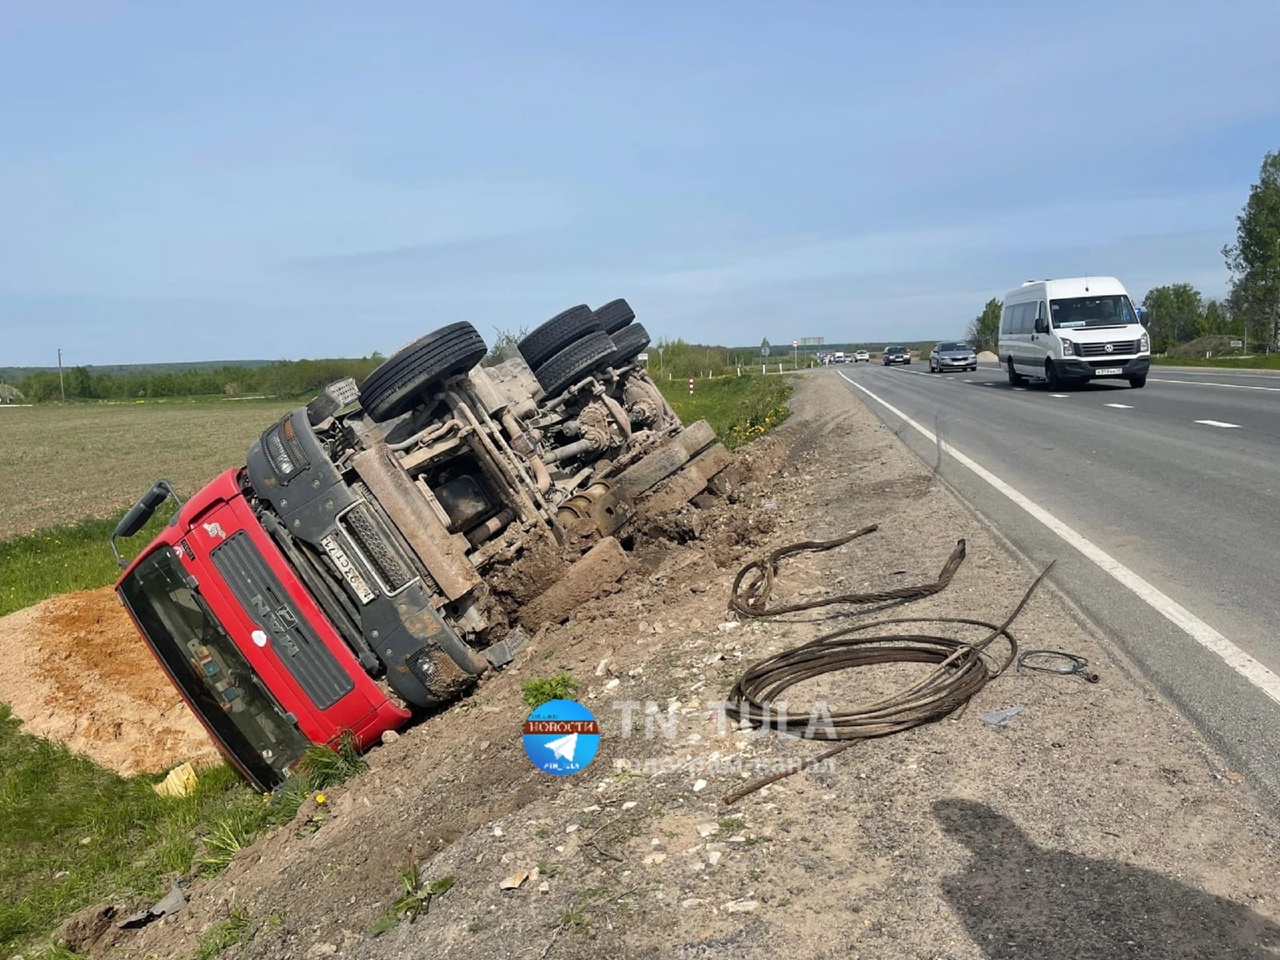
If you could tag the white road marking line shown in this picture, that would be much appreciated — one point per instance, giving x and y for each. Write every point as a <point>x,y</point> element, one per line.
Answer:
<point>1207,383</point>
<point>1119,406</point>
<point>1219,423</point>
<point>1061,396</point>
<point>1242,663</point>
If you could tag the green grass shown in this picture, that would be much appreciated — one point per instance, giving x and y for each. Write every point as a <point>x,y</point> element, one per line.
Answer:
<point>739,409</point>
<point>51,562</point>
<point>74,834</point>
<point>1268,361</point>
<point>534,693</point>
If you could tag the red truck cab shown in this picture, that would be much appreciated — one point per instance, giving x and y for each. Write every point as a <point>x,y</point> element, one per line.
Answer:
<point>244,641</point>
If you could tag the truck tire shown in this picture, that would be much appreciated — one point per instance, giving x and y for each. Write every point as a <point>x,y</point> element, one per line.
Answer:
<point>576,361</point>
<point>630,341</point>
<point>397,384</point>
<point>614,315</point>
<point>565,328</point>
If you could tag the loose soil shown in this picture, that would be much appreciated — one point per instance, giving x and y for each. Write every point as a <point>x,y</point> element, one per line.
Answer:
<point>1095,824</point>
<point>73,669</point>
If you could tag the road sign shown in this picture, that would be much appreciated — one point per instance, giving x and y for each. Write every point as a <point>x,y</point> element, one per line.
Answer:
<point>1237,343</point>
<point>795,343</point>
<point>764,347</point>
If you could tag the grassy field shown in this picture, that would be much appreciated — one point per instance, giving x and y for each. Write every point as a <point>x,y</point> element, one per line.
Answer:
<point>1270,361</point>
<point>740,409</point>
<point>65,464</point>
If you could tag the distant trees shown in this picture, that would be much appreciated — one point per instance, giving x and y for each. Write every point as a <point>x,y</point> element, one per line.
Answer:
<point>1179,314</point>
<point>984,329</point>
<point>1175,311</point>
<point>1254,259</point>
<point>285,378</point>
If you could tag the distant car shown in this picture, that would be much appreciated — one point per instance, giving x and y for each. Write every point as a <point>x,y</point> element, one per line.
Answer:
<point>895,355</point>
<point>838,357</point>
<point>951,355</point>
<point>861,355</point>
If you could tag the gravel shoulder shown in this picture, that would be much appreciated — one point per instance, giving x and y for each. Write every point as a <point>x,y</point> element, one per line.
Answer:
<point>1095,824</point>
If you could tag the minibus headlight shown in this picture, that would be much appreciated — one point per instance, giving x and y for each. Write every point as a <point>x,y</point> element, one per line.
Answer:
<point>1068,347</point>
<point>1144,345</point>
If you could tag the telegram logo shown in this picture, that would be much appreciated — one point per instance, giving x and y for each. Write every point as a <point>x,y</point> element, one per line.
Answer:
<point>561,737</point>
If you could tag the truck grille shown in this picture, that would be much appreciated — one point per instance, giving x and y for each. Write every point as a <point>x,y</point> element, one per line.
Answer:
<point>300,649</point>
<point>364,530</point>
<point>1122,348</point>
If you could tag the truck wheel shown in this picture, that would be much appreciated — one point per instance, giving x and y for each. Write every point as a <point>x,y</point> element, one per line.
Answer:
<point>630,341</point>
<point>557,333</point>
<point>396,385</point>
<point>614,315</point>
<point>576,361</point>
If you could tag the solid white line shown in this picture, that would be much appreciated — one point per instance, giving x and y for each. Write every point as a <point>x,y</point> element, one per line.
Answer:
<point>1061,396</point>
<point>1119,406</point>
<point>1219,423</point>
<point>1252,670</point>
<point>1207,383</point>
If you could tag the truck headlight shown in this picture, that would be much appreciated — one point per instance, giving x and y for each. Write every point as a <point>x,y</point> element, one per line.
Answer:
<point>1144,344</point>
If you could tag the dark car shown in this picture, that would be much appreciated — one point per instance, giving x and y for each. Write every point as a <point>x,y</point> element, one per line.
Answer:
<point>952,356</point>
<point>895,355</point>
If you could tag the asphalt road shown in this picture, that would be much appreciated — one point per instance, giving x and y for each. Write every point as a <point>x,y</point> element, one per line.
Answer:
<point>1179,482</point>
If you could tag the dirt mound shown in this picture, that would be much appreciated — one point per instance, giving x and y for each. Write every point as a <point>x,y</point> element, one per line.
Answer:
<point>986,356</point>
<point>74,669</point>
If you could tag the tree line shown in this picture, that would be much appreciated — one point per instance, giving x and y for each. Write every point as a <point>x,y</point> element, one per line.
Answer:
<point>1177,313</point>
<point>284,378</point>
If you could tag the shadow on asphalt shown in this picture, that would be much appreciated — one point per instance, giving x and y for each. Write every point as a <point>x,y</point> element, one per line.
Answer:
<point>1021,900</point>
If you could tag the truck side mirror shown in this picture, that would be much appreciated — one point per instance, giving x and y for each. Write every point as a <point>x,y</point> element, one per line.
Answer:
<point>140,513</point>
<point>1042,325</point>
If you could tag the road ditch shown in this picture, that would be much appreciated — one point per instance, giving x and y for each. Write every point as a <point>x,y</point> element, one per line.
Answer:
<point>1091,821</point>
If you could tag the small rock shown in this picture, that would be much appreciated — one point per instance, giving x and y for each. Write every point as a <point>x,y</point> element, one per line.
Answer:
<point>498,832</point>
<point>601,667</point>
<point>655,842</point>
<point>714,857</point>
<point>612,684</point>
<point>629,805</point>
<point>691,902</point>
<point>544,887</point>
<point>653,859</point>
<point>390,736</point>
<point>61,873</point>
<point>699,786</point>
<point>594,808</point>
<point>513,881</point>
<point>571,828</point>
<point>1236,777</point>
<point>323,950</point>
<point>707,829</point>
<point>739,841</point>
<point>741,906</point>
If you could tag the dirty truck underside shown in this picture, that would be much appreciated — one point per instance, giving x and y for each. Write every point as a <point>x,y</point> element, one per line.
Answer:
<point>434,511</point>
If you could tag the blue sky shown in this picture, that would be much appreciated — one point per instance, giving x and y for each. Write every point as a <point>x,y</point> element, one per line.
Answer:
<point>299,179</point>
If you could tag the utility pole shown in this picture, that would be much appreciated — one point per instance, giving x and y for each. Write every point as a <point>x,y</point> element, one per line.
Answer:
<point>61,386</point>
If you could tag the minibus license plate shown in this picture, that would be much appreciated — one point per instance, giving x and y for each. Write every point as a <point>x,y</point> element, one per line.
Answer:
<point>1108,371</point>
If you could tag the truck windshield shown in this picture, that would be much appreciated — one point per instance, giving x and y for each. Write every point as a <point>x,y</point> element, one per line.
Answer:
<point>1108,311</point>
<point>215,677</point>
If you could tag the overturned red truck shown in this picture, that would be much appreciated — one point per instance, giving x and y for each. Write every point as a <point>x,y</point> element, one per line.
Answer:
<point>339,579</point>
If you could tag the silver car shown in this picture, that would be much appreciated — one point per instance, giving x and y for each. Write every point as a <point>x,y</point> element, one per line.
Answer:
<point>950,355</point>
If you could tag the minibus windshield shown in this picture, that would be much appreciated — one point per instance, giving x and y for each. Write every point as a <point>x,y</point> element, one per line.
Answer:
<point>1105,311</point>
